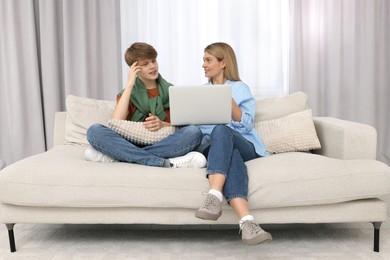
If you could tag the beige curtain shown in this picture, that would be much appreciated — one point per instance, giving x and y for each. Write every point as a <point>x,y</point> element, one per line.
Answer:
<point>340,57</point>
<point>48,50</point>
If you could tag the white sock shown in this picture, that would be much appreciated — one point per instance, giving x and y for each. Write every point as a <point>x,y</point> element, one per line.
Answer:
<point>216,193</point>
<point>245,218</point>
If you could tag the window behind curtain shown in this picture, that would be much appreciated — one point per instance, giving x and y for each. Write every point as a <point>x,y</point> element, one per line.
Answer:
<point>180,30</point>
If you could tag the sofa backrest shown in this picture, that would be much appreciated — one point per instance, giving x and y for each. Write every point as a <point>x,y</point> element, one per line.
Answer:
<point>284,123</point>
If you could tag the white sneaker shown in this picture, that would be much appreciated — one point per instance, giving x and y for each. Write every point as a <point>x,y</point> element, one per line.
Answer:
<point>190,160</point>
<point>96,156</point>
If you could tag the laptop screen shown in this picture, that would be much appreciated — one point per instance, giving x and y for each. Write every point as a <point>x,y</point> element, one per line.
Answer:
<point>202,104</point>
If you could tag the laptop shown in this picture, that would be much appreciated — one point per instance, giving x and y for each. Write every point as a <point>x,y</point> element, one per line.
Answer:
<point>199,105</point>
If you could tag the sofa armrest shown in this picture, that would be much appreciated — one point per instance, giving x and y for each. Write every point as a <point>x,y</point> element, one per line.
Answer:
<point>344,139</point>
<point>59,128</point>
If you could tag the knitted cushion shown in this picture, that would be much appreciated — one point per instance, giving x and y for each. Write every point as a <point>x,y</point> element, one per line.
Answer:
<point>292,133</point>
<point>136,133</point>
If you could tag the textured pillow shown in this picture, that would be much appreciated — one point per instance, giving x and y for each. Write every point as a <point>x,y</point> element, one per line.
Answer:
<point>82,113</point>
<point>136,133</point>
<point>291,133</point>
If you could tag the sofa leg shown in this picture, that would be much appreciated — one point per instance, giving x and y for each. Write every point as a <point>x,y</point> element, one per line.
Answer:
<point>377,226</point>
<point>11,236</point>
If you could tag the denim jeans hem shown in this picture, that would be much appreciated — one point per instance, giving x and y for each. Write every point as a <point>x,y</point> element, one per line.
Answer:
<point>208,172</point>
<point>236,196</point>
<point>162,162</point>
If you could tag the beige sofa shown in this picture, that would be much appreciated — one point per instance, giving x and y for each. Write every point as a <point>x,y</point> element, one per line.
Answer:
<point>341,182</point>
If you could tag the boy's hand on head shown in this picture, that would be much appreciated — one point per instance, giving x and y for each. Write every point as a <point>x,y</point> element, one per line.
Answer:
<point>153,123</point>
<point>134,69</point>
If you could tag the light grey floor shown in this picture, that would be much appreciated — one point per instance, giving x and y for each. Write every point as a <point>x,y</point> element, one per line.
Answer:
<point>319,241</point>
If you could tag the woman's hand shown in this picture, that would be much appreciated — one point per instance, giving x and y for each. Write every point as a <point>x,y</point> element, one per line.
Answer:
<point>236,111</point>
<point>153,123</point>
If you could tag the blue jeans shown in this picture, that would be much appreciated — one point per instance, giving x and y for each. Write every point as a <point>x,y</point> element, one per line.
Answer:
<point>227,154</point>
<point>106,141</point>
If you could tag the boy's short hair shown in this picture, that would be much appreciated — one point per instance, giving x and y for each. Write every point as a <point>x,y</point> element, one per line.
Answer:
<point>139,50</point>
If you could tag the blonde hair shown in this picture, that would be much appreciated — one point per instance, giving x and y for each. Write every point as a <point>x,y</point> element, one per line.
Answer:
<point>223,51</point>
<point>139,50</point>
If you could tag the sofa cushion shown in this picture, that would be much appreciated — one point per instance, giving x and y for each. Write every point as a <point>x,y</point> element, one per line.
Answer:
<point>291,133</point>
<point>136,132</point>
<point>82,113</point>
<point>285,124</point>
<point>271,108</point>
<point>295,179</point>
<point>62,177</point>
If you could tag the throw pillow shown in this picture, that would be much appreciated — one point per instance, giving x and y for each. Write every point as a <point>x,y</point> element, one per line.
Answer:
<point>82,113</point>
<point>291,133</point>
<point>136,133</point>
<point>271,108</point>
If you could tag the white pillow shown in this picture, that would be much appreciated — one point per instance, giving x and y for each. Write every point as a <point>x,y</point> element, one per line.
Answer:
<point>82,113</point>
<point>271,108</point>
<point>136,133</point>
<point>291,133</point>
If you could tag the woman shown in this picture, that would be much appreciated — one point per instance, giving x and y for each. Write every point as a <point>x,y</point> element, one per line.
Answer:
<point>228,147</point>
<point>145,99</point>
